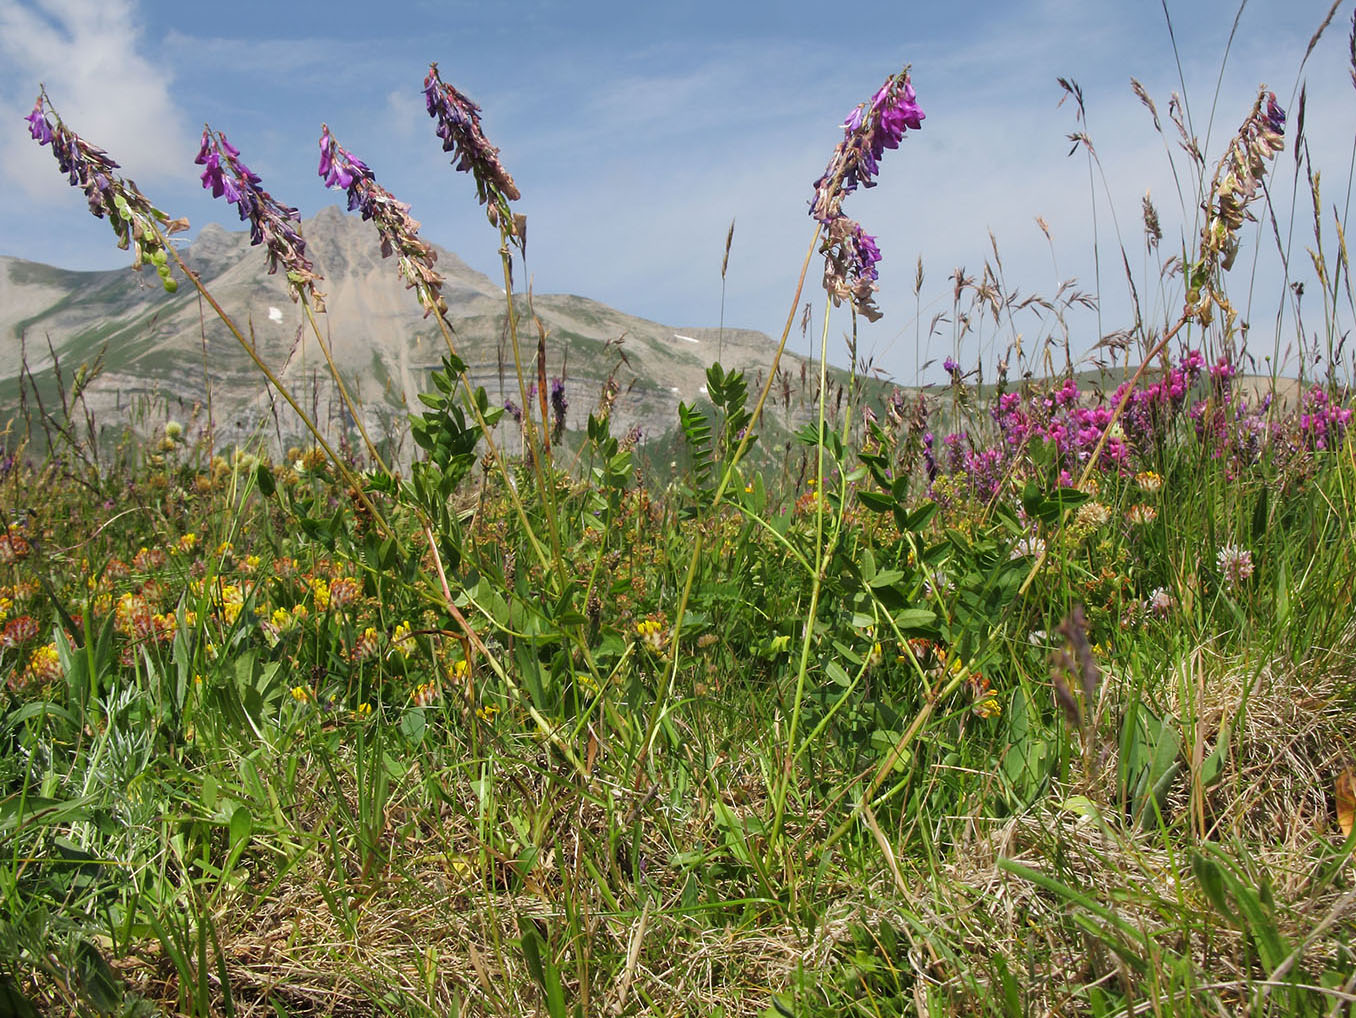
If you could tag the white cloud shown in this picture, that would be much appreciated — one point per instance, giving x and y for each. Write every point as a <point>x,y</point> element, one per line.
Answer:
<point>660,156</point>
<point>403,115</point>
<point>91,57</point>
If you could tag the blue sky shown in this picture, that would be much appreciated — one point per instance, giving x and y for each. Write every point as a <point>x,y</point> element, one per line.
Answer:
<point>636,132</point>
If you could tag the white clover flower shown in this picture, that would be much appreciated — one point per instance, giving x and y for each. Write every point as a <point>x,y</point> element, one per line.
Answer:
<point>1235,565</point>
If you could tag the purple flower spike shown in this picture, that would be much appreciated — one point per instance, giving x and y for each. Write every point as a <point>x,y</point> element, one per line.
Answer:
<point>399,232</point>
<point>135,221</point>
<point>850,254</point>
<point>459,128</point>
<point>272,224</point>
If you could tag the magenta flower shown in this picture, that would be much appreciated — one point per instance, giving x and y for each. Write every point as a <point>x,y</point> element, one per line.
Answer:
<point>272,224</point>
<point>337,166</point>
<point>851,254</point>
<point>870,128</point>
<point>1275,116</point>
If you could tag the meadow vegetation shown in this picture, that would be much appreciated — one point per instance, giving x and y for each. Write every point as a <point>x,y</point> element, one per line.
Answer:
<point>1028,697</point>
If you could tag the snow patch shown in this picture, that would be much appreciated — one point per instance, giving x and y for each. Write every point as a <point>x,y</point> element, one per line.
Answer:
<point>686,339</point>
<point>274,314</point>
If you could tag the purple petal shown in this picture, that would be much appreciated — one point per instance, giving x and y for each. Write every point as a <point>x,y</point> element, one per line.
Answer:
<point>38,126</point>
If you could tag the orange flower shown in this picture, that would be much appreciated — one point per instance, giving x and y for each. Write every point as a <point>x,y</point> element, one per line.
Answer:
<point>19,630</point>
<point>13,546</point>
<point>345,590</point>
<point>148,560</point>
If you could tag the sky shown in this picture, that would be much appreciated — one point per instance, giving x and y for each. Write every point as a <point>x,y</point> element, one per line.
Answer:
<point>637,132</point>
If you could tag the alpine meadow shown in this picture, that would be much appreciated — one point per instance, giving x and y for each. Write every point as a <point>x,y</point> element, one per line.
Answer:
<point>530,685</point>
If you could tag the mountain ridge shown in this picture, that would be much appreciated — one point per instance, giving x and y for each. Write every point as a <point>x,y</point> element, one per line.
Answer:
<point>171,351</point>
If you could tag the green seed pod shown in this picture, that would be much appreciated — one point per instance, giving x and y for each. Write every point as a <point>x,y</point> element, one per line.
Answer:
<point>171,286</point>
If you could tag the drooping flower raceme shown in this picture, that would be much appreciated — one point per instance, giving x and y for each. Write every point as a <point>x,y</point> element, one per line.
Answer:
<point>459,128</point>
<point>399,231</point>
<point>136,223</point>
<point>272,224</point>
<point>851,254</point>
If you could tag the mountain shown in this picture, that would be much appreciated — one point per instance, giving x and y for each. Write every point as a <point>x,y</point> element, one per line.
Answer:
<point>163,355</point>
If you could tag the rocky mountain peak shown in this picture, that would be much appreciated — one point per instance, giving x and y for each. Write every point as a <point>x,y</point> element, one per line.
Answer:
<point>160,349</point>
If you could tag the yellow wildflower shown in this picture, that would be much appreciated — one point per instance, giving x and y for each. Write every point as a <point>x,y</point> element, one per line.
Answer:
<point>654,633</point>
<point>45,664</point>
<point>232,602</point>
<point>402,642</point>
<point>989,707</point>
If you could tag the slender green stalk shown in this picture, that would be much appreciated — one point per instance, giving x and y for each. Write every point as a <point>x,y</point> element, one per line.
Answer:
<point>538,467</point>
<point>887,765</point>
<point>510,488</point>
<point>822,554</point>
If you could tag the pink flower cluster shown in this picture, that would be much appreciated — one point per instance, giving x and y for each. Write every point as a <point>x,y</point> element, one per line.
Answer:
<point>1062,419</point>
<point>1322,423</point>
